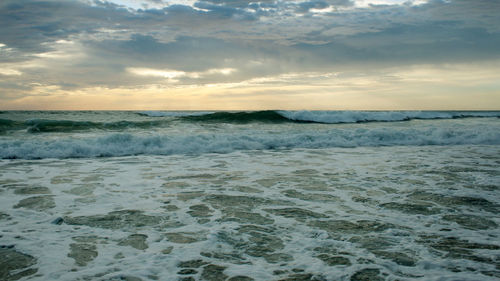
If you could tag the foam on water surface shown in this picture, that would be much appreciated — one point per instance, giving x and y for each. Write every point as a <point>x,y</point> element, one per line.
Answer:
<point>187,138</point>
<point>385,213</point>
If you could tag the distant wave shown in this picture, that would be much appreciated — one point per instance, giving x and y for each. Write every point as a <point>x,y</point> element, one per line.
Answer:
<point>44,125</point>
<point>326,117</point>
<point>172,113</point>
<point>336,117</point>
<point>129,144</point>
<point>6,124</point>
<point>267,116</point>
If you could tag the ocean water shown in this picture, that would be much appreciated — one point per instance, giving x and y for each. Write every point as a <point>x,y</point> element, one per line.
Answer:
<point>269,195</point>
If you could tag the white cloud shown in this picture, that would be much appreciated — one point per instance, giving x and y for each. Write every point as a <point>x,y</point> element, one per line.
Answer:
<point>10,72</point>
<point>367,3</point>
<point>223,71</point>
<point>165,73</point>
<point>175,74</point>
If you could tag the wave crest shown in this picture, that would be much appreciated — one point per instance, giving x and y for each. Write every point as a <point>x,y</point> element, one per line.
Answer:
<point>129,144</point>
<point>337,117</point>
<point>325,117</point>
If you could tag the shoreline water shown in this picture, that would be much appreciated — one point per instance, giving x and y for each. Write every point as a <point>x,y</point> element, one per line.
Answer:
<point>390,212</point>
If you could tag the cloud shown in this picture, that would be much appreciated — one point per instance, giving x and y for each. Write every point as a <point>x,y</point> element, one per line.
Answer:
<point>83,44</point>
<point>224,12</point>
<point>243,3</point>
<point>30,26</point>
<point>304,7</point>
<point>173,75</point>
<point>7,71</point>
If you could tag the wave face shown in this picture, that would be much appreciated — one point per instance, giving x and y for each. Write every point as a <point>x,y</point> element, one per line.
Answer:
<point>6,124</point>
<point>326,117</point>
<point>130,144</point>
<point>62,126</point>
<point>159,119</point>
<point>268,116</point>
<point>42,134</point>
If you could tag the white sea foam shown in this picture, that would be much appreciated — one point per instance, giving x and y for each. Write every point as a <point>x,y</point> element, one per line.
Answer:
<point>122,144</point>
<point>334,117</point>
<point>277,200</point>
<point>344,185</point>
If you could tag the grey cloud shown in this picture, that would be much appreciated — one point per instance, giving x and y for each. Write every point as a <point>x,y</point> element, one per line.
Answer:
<point>225,34</point>
<point>185,53</point>
<point>224,12</point>
<point>340,2</point>
<point>305,7</point>
<point>405,45</point>
<point>108,60</point>
<point>242,3</point>
<point>27,25</point>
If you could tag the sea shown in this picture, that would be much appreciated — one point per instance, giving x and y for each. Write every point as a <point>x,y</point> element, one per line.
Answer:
<point>250,195</point>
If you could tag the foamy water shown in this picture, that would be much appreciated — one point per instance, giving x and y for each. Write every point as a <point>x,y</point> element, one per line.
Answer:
<point>278,200</point>
<point>428,213</point>
<point>38,135</point>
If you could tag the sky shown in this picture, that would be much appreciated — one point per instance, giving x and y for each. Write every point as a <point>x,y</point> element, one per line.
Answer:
<point>249,55</point>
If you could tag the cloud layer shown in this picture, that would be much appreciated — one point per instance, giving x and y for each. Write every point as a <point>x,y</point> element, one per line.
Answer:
<point>76,45</point>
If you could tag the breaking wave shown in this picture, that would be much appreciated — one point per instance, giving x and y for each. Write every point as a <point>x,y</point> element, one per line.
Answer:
<point>326,117</point>
<point>121,144</point>
<point>269,117</point>
<point>337,117</point>
<point>333,117</point>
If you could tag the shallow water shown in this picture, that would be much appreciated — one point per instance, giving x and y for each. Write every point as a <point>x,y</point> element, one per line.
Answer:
<point>366,213</point>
